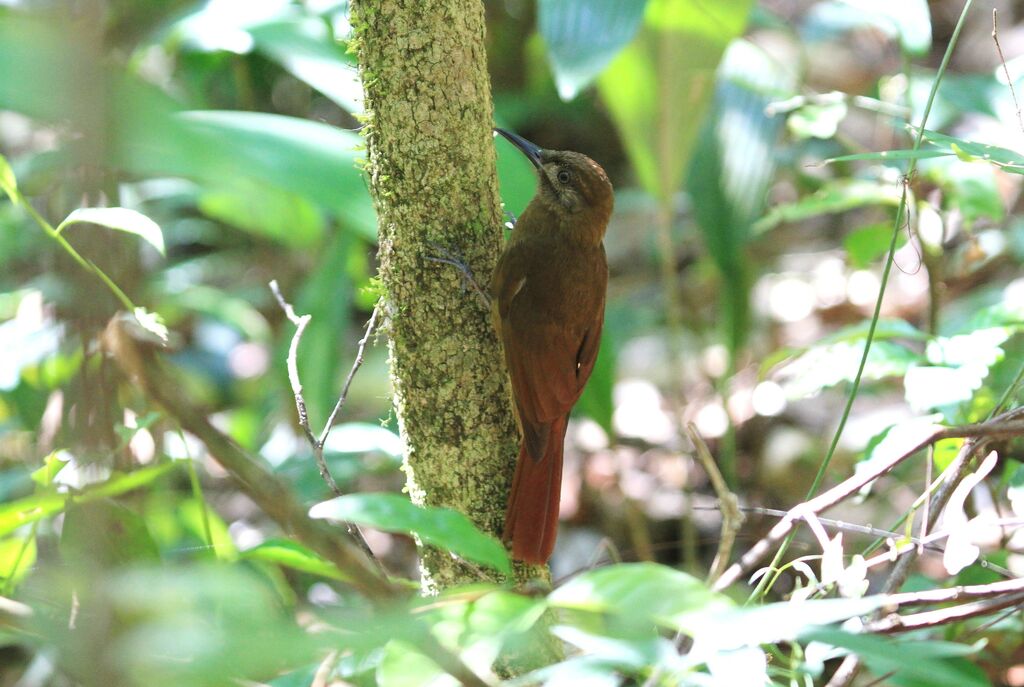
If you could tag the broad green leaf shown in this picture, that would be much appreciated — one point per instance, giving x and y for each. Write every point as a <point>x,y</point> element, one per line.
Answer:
<point>969,187</point>
<point>1006,160</point>
<point>642,591</point>
<point>201,626</point>
<point>824,366</point>
<point>733,164</point>
<point>121,219</point>
<point>52,465</point>
<point>306,49</point>
<point>220,305</point>
<point>835,196</point>
<point>582,37</point>
<point>17,556</point>
<point>8,184</point>
<point>865,244</point>
<point>817,121</point>
<point>191,514</point>
<point>887,155</point>
<point>659,87</point>
<point>926,662</point>
<point>441,527</point>
<point>292,555</point>
<point>734,628</point>
<point>404,666</point>
<point>908,21</point>
<point>308,159</point>
<point>264,210</point>
<point>103,534</point>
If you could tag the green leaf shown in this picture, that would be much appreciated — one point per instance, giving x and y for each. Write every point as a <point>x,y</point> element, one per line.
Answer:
<point>306,49</point>
<point>925,662</point>
<point>778,622</point>
<point>1007,160</point>
<point>641,591</point>
<point>52,465</point>
<point>404,666</point>
<point>441,527</point>
<point>582,37</point>
<point>308,159</point>
<point>887,155</point>
<point>659,87</point>
<point>865,244</point>
<point>817,121</point>
<point>8,184</point>
<point>731,170</point>
<point>823,366</point>
<point>121,219</point>
<point>265,211</point>
<point>835,196</point>
<point>103,534</point>
<point>292,555</point>
<point>17,556</point>
<point>906,20</point>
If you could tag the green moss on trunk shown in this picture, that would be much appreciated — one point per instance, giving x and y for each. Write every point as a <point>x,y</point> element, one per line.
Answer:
<point>432,176</point>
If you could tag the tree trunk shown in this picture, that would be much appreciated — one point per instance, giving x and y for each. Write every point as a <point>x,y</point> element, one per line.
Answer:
<point>433,180</point>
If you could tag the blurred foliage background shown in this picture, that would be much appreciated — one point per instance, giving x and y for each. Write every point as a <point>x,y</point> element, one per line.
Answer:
<point>753,217</point>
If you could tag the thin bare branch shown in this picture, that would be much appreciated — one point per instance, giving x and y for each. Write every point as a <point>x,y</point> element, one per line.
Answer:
<point>1002,61</point>
<point>1007,424</point>
<point>301,322</point>
<point>732,516</point>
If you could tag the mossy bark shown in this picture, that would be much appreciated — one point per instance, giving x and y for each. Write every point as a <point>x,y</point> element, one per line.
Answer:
<point>432,176</point>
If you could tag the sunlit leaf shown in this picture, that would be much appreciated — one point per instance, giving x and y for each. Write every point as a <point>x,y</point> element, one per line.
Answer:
<point>817,121</point>
<point>835,196</point>
<point>823,366</point>
<point>441,527</point>
<point>866,244</point>
<point>908,21</point>
<point>306,49</point>
<point>403,666</point>
<point>659,87</point>
<point>925,660</point>
<point>52,465</point>
<point>887,155</point>
<point>582,37</point>
<point>1004,159</point>
<point>265,210</point>
<point>8,184</point>
<point>121,219</point>
<point>641,590</point>
<point>17,557</point>
<point>292,555</point>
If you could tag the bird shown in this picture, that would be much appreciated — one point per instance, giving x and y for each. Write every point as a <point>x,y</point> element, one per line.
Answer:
<point>547,295</point>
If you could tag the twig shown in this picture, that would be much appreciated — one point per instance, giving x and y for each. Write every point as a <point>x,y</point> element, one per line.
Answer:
<point>942,616</point>
<point>1002,61</point>
<point>974,591</point>
<point>732,516</point>
<point>317,444</point>
<point>1003,425</point>
<point>356,364</point>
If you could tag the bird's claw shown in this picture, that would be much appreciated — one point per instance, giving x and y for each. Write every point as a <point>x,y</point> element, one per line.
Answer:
<point>447,257</point>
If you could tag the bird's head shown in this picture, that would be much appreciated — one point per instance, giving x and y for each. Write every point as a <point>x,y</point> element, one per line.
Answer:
<point>570,185</point>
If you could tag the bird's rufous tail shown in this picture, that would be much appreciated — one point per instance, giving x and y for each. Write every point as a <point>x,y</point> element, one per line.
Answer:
<point>531,521</point>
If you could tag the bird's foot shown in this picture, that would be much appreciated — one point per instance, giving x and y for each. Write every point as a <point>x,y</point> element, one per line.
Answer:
<point>447,257</point>
<point>510,220</point>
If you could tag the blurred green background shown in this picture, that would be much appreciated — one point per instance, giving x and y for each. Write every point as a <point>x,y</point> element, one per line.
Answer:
<point>744,270</point>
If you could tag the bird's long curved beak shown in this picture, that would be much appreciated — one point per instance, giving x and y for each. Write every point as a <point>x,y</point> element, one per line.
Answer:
<point>530,150</point>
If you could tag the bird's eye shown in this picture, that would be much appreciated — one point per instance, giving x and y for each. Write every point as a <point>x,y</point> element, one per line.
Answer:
<point>563,176</point>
